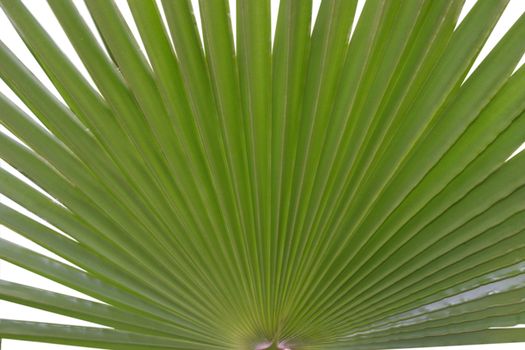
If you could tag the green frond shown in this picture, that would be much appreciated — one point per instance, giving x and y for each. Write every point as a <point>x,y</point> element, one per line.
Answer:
<point>326,188</point>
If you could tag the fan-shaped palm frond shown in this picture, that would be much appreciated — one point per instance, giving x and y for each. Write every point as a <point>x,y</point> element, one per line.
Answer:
<point>319,192</point>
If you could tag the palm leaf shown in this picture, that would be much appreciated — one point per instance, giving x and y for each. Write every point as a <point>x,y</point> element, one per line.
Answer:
<point>327,190</point>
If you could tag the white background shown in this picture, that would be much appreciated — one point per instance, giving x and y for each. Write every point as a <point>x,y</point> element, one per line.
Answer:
<point>15,274</point>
